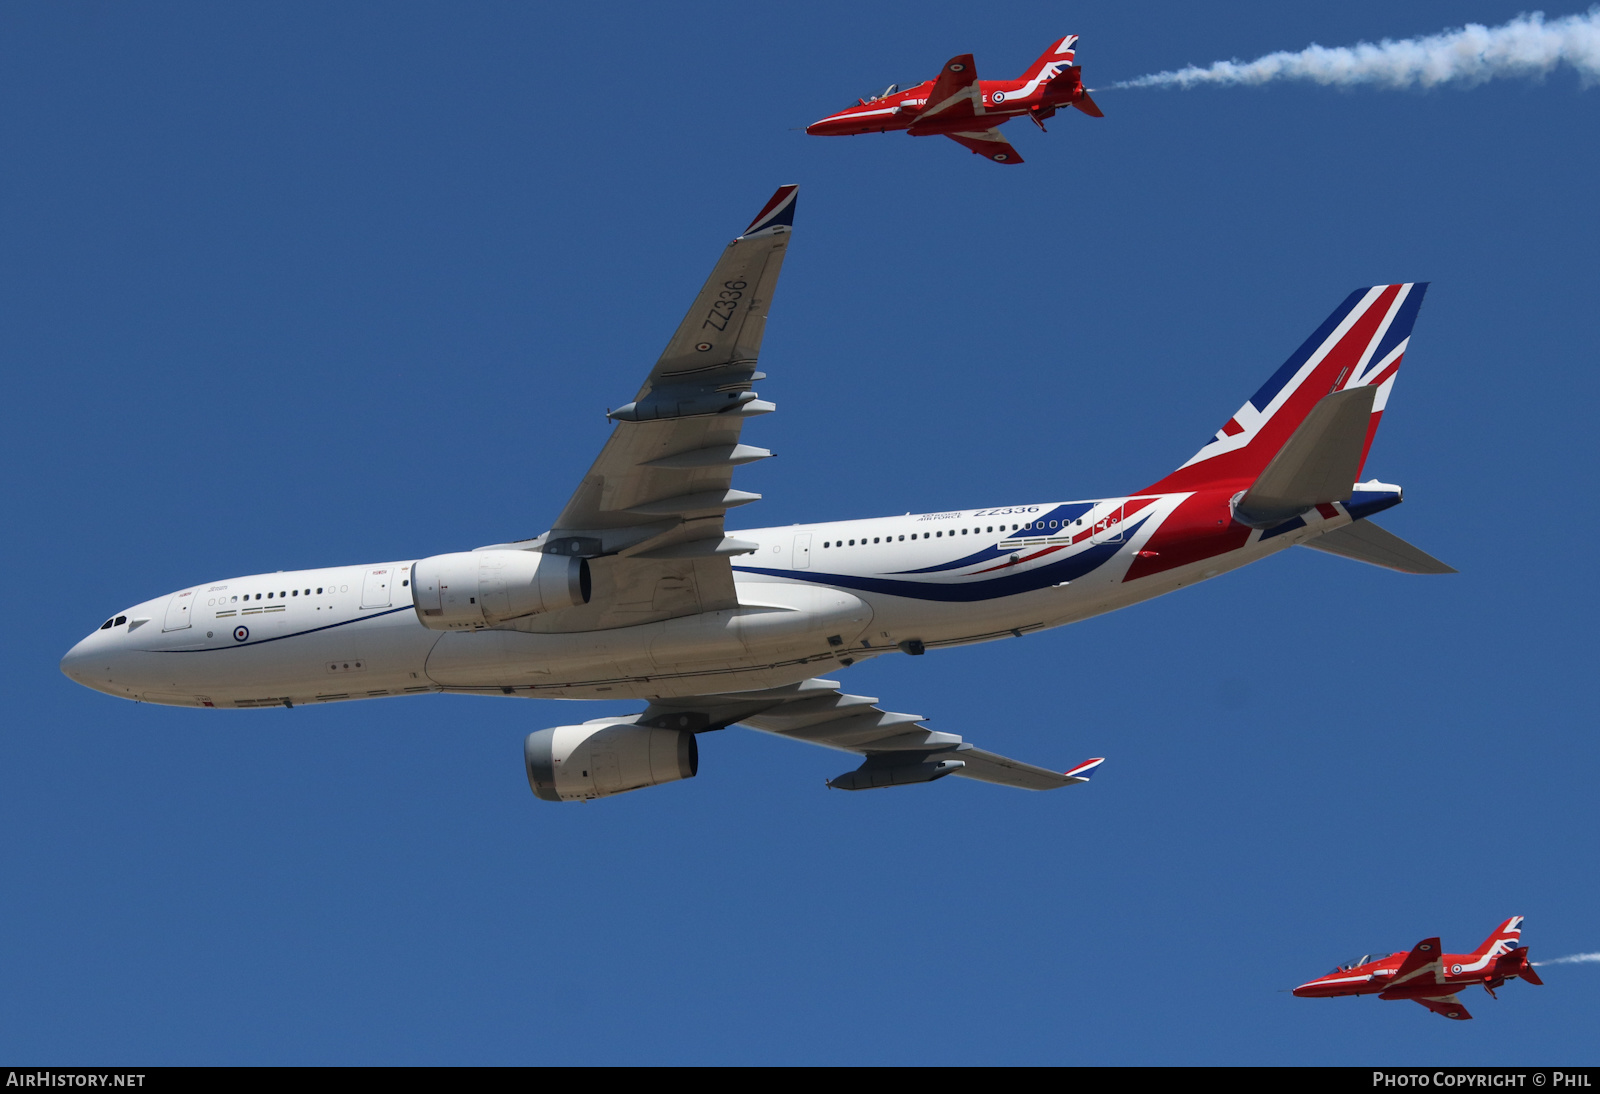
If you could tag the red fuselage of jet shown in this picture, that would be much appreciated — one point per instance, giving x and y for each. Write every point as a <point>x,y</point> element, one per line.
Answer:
<point>960,106</point>
<point>1429,977</point>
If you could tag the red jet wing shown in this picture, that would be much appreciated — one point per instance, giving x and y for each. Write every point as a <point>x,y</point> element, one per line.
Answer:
<point>955,93</point>
<point>1421,965</point>
<point>987,143</point>
<point>1447,1005</point>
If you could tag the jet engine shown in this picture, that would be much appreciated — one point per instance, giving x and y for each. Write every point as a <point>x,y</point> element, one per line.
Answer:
<point>575,763</point>
<point>473,589</point>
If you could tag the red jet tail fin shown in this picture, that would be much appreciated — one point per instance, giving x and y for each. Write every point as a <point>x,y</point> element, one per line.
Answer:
<point>1503,940</point>
<point>1058,55</point>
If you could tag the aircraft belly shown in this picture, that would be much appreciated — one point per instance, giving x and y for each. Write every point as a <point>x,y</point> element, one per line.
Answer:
<point>790,623</point>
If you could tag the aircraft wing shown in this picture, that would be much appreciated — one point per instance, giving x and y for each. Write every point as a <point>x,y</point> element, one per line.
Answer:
<point>897,747</point>
<point>987,143</point>
<point>1421,966</point>
<point>649,512</point>
<point>955,94</point>
<point>1447,1005</point>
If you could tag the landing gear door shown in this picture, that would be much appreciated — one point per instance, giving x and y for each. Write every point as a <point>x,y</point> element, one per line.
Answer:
<point>802,551</point>
<point>1108,527</point>
<point>179,609</point>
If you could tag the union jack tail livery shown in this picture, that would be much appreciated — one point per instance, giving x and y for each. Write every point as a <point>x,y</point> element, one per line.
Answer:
<point>1359,345</point>
<point>1505,938</point>
<point>1058,56</point>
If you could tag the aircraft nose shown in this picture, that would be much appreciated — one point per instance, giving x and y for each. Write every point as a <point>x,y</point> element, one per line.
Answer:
<point>75,665</point>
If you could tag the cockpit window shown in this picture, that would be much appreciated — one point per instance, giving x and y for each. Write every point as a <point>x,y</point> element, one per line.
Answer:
<point>884,94</point>
<point>1364,959</point>
<point>106,626</point>
<point>121,619</point>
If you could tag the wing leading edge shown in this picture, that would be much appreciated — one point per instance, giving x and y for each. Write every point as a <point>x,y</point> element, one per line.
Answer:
<point>899,750</point>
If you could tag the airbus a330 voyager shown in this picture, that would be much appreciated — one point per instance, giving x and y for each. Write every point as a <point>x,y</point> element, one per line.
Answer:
<point>639,591</point>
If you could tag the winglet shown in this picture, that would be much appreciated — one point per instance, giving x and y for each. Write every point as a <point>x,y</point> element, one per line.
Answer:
<point>779,209</point>
<point>1081,772</point>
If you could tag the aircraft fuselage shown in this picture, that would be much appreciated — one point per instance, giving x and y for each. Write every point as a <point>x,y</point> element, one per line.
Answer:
<point>812,598</point>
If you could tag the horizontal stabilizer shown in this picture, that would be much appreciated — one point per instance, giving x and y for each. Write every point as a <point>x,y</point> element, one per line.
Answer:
<point>1366,542</point>
<point>1317,464</point>
<point>1087,105</point>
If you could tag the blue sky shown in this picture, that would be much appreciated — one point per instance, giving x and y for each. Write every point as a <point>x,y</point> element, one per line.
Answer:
<point>292,286</point>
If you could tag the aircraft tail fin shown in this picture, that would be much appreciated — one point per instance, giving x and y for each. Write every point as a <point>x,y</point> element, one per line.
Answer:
<point>1503,940</point>
<point>1359,346</point>
<point>1058,55</point>
<point>1088,106</point>
<point>1526,971</point>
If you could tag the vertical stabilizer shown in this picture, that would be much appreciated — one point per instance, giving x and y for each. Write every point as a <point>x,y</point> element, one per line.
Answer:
<point>1359,345</point>
<point>1058,55</point>
<point>1505,938</point>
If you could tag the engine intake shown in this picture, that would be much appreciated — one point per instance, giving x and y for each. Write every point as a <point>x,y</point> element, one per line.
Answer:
<point>473,589</point>
<point>576,763</point>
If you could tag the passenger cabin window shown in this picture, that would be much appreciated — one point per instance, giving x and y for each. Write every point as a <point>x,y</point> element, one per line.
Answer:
<point>319,590</point>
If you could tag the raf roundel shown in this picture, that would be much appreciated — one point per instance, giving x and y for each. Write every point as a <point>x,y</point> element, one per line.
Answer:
<point>999,96</point>
<point>703,346</point>
<point>241,633</point>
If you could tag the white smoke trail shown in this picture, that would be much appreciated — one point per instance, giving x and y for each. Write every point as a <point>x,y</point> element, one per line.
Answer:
<point>1473,54</point>
<point>1571,959</point>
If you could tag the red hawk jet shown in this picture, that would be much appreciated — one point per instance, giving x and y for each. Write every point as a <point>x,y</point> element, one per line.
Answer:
<point>968,110</point>
<point>1430,977</point>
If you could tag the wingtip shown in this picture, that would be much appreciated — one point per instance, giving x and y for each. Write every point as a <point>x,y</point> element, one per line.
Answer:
<point>1083,769</point>
<point>779,210</point>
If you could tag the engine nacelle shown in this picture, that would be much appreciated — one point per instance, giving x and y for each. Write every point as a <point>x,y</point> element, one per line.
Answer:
<point>472,589</point>
<point>576,763</point>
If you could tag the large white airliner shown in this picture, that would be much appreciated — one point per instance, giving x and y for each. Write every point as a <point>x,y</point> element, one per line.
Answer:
<point>638,590</point>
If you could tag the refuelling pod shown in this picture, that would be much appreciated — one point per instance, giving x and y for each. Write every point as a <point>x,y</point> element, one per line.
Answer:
<point>473,589</point>
<point>576,763</point>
